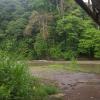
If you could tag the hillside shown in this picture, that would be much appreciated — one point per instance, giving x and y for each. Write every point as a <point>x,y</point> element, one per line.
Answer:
<point>47,29</point>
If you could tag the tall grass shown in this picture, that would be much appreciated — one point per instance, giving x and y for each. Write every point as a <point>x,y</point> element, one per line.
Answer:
<point>15,81</point>
<point>17,84</point>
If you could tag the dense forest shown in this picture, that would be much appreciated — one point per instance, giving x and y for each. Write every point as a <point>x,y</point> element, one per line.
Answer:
<point>47,29</point>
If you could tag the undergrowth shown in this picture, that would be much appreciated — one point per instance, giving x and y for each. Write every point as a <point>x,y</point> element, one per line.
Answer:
<point>16,83</point>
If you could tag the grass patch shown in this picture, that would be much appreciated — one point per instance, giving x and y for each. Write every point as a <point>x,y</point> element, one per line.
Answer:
<point>73,66</point>
<point>42,90</point>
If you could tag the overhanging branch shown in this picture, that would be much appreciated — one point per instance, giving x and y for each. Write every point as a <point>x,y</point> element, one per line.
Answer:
<point>88,10</point>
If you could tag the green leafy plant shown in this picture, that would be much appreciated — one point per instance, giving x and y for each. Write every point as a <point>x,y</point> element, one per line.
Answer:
<point>16,83</point>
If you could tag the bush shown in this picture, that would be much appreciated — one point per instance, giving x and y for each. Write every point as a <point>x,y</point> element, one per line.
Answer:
<point>17,84</point>
<point>55,53</point>
<point>40,46</point>
<point>15,81</point>
<point>97,50</point>
<point>68,55</point>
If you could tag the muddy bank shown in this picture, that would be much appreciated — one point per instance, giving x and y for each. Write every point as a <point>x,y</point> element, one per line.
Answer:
<point>46,62</point>
<point>87,91</point>
<point>75,86</point>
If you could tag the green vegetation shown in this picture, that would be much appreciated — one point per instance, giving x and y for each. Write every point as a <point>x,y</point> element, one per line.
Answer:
<point>17,84</point>
<point>47,29</point>
<point>41,29</point>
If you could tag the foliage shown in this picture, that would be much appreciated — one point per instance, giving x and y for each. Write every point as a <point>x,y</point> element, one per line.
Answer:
<point>88,44</point>
<point>15,28</point>
<point>68,55</point>
<point>55,53</point>
<point>40,46</point>
<point>17,84</point>
<point>47,29</point>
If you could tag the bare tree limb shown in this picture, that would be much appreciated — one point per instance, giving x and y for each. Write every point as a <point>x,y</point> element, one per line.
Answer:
<point>88,10</point>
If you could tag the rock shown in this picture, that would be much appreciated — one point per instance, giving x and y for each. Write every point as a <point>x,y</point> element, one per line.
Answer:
<point>58,96</point>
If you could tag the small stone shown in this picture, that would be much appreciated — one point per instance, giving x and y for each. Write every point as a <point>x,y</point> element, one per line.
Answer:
<point>92,97</point>
<point>60,95</point>
<point>78,93</point>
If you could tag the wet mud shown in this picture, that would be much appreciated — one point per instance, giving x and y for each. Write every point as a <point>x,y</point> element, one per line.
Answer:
<point>74,85</point>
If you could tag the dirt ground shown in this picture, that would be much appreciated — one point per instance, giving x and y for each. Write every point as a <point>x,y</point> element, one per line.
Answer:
<point>74,85</point>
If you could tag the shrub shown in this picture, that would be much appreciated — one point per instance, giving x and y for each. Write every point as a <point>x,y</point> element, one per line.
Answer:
<point>55,53</point>
<point>97,51</point>
<point>40,46</point>
<point>15,81</point>
<point>68,55</point>
<point>17,84</point>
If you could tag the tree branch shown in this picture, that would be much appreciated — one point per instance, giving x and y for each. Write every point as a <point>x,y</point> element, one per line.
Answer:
<point>88,10</point>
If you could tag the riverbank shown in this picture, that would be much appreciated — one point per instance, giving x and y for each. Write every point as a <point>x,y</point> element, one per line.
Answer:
<point>74,84</point>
